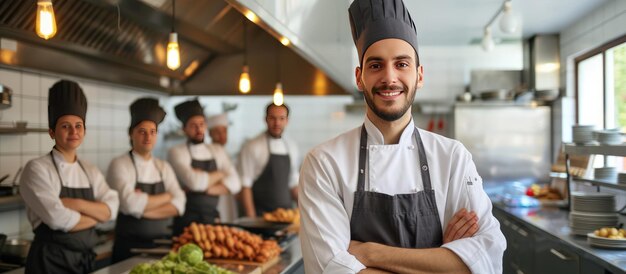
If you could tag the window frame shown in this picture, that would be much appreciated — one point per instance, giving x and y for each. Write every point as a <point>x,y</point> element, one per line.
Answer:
<point>602,49</point>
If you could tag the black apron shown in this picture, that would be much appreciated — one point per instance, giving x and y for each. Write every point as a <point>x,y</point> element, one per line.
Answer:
<point>402,220</point>
<point>55,251</point>
<point>131,232</point>
<point>271,190</point>
<point>201,207</point>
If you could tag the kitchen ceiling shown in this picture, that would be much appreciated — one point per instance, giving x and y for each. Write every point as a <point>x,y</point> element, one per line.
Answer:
<point>91,43</point>
<point>453,23</point>
<point>94,42</point>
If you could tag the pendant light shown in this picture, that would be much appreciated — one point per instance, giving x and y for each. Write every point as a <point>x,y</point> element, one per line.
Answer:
<point>488,43</point>
<point>278,91</point>
<point>244,79</point>
<point>46,25</point>
<point>173,51</point>
<point>508,22</point>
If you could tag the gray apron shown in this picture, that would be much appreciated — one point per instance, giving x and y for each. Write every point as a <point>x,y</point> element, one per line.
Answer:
<point>271,190</point>
<point>201,207</point>
<point>402,220</point>
<point>131,232</point>
<point>55,251</point>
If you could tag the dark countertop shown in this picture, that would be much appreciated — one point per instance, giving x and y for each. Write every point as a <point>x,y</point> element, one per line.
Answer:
<point>8,203</point>
<point>554,223</point>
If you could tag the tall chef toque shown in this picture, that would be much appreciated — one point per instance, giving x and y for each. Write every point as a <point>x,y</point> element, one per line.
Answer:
<point>217,120</point>
<point>375,20</point>
<point>145,109</point>
<point>188,109</point>
<point>65,98</point>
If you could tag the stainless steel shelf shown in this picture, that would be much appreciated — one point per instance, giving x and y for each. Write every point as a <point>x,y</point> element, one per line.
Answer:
<point>602,183</point>
<point>17,130</point>
<point>611,150</point>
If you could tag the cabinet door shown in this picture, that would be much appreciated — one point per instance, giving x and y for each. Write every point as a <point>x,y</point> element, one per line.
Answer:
<point>552,257</point>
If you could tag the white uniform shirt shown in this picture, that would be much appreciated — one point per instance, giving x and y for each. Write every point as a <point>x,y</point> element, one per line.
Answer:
<point>40,188</point>
<point>328,181</point>
<point>255,154</point>
<point>197,180</point>
<point>122,177</point>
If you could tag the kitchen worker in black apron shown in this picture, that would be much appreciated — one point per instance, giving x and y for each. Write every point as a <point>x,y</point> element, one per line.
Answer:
<point>377,198</point>
<point>65,197</point>
<point>204,170</point>
<point>149,191</point>
<point>268,166</point>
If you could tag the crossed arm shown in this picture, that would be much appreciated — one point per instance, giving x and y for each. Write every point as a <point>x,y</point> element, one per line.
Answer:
<point>380,258</point>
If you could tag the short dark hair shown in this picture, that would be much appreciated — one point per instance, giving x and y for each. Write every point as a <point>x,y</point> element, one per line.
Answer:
<point>267,109</point>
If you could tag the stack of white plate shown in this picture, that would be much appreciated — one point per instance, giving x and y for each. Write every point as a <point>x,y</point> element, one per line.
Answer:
<point>621,178</point>
<point>591,211</point>
<point>605,173</point>
<point>583,134</point>
<point>593,202</point>
<point>598,241</point>
<point>609,137</point>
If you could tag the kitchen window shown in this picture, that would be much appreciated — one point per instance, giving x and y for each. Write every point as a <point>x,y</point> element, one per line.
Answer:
<point>601,86</point>
<point>601,91</point>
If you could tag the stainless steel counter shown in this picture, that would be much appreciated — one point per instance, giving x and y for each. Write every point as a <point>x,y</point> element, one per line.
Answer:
<point>8,203</point>
<point>554,223</point>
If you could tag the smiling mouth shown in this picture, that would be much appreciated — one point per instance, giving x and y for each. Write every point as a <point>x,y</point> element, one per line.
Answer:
<point>390,93</point>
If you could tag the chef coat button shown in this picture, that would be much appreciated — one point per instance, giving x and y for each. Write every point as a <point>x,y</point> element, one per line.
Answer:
<point>411,147</point>
<point>362,171</point>
<point>374,189</point>
<point>424,167</point>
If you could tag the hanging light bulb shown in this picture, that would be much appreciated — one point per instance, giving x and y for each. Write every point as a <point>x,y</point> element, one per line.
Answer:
<point>46,25</point>
<point>173,52</point>
<point>244,81</point>
<point>488,43</point>
<point>508,21</point>
<point>278,94</point>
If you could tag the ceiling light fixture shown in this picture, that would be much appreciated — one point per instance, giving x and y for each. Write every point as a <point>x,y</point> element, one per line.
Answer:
<point>46,25</point>
<point>244,79</point>
<point>488,43</point>
<point>173,51</point>
<point>509,23</point>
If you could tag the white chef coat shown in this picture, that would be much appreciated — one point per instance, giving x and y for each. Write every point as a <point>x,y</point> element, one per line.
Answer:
<point>122,177</point>
<point>328,181</point>
<point>197,180</point>
<point>40,188</point>
<point>255,154</point>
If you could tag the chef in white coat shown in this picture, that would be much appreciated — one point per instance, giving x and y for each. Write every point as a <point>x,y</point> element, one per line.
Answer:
<point>218,131</point>
<point>149,191</point>
<point>268,166</point>
<point>376,199</point>
<point>204,170</point>
<point>218,128</point>
<point>65,197</point>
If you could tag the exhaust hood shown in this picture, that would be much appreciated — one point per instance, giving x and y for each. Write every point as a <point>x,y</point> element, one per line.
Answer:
<point>124,41</point>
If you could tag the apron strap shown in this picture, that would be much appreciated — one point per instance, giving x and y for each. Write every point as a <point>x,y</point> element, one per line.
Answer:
<point>130,154</point>
<point>362,159</point>
<point>423,161</point>
<point>54,163</point>
<point>421,153</point>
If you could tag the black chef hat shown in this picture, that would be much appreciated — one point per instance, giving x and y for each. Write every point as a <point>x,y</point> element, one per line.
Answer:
<point>188,109</point>
<point>65,98</point>
<point>145,109</point>
<point>375,20</point>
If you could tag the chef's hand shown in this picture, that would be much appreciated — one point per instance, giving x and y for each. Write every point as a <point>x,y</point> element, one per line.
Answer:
<point>216,176</point>
<point>359,250</point>
<point>72,203</point>
<point>463,224</point>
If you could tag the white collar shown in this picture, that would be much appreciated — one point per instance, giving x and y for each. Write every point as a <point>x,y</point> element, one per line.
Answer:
<point>60,158</point>
<point>139,159</point>
<point>377,138</point>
